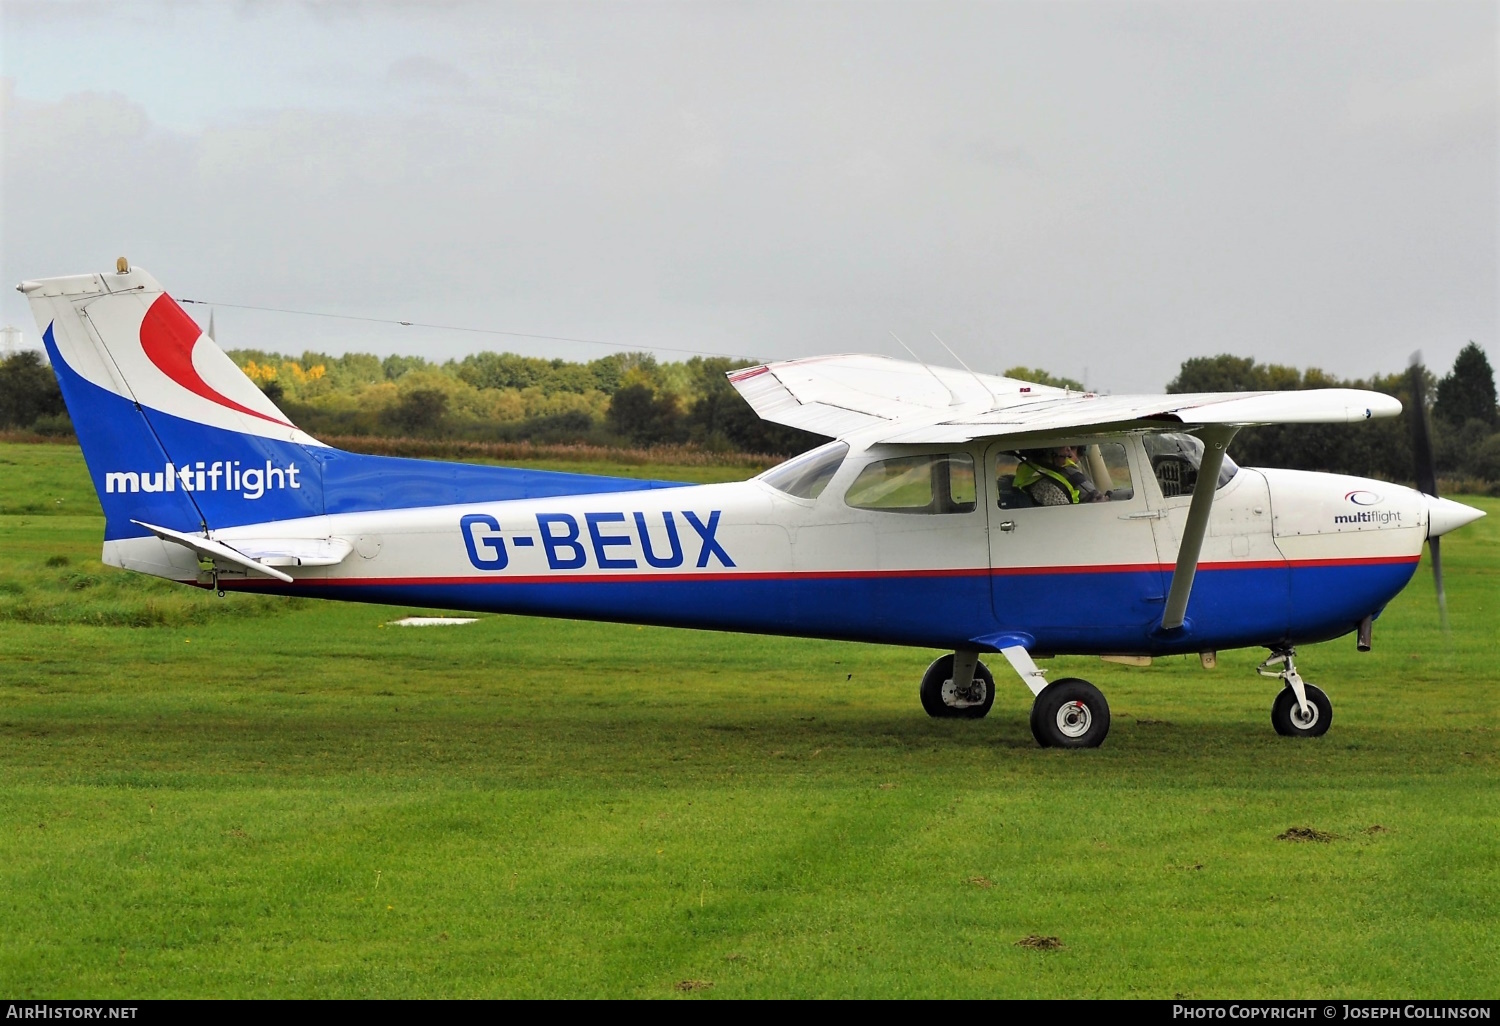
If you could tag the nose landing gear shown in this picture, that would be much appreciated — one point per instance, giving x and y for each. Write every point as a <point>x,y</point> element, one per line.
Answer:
<point>1301,709</point>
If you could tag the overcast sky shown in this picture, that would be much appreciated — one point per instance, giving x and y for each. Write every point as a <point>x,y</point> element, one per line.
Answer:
<point>1091,188</point>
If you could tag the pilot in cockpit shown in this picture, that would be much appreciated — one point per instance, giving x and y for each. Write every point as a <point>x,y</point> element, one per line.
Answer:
<point>1053,477</point>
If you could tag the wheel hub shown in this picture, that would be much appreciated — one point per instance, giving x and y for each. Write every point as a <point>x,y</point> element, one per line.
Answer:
<point>1304,720</point>
<point>972,695</point>
<point>1074,719</point>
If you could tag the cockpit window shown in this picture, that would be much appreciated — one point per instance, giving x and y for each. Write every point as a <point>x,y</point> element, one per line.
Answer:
<point>1065,475</point>
<point>807,475</point>
<point>937,483</point>
<point>1175,459</point>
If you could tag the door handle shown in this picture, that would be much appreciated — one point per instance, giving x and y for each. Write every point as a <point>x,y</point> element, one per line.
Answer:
<point>1154,514</point>
<point>1007,526</point>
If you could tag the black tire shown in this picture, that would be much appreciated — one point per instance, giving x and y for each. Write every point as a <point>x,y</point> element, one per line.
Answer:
<point>1287,718</point>
<point>1070,713</point>
<point>973,706</point>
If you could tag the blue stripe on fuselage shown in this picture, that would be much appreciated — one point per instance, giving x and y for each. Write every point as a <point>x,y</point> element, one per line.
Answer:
<point>1230,608</point>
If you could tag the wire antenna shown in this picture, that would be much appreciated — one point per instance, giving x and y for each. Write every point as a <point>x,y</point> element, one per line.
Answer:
<point>457,327</point>
<point>977,379</point>
<point>952,395</point>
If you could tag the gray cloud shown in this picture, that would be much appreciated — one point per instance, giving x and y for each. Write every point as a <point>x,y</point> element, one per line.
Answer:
<point>1067,186</point>
<point>421,70</point>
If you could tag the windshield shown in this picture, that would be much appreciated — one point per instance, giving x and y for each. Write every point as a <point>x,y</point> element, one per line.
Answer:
<point>1175,459</point>
<point>807,475</point>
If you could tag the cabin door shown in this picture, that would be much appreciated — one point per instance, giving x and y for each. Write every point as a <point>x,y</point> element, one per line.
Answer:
<point>1078,577</point>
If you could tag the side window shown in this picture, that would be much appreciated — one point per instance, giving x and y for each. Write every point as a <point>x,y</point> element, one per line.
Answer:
<point>807,475</point>
<point>1175,459</point>
<point>1063,476</point>
<point>939,483</point>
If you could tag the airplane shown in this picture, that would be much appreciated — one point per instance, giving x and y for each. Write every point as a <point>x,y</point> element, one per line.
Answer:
<point>922,523</point>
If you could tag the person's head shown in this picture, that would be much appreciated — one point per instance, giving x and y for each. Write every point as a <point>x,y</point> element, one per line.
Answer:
<point>1064,454</point>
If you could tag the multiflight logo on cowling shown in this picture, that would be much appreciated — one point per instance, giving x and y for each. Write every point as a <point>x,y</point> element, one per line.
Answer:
<point>250,482</point>
<point>1382,517</point>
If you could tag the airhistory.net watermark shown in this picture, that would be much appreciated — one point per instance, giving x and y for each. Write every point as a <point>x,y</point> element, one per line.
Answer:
<point>46,1010</point>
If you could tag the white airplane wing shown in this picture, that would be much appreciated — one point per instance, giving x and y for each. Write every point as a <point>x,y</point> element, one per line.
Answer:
<point>910,403</point>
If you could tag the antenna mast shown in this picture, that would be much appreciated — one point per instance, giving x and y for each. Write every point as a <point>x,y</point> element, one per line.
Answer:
<point>977,379</point>
<point>952,395</point>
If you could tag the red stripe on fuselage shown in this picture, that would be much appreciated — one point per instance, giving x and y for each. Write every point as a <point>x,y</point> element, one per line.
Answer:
<point>805,575</point>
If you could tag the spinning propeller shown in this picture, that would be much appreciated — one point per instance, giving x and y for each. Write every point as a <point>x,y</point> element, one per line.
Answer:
<point>1426,471</point>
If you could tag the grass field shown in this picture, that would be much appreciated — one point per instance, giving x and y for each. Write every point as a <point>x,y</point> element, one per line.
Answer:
<point>259,797</point>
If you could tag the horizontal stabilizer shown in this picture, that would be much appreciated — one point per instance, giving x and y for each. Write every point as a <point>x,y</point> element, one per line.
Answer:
<point>295,551</point>
<point>207,548</point>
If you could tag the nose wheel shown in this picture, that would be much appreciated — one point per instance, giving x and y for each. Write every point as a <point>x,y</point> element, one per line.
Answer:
<point>1300,709</point>
<point>1291,720</point>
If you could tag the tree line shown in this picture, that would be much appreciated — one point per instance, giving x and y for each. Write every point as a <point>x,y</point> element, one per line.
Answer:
<point>1462,413</point>
<point>632,399</point>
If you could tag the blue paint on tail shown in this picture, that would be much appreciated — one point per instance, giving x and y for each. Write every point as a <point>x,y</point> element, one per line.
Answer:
<point>151,466</point>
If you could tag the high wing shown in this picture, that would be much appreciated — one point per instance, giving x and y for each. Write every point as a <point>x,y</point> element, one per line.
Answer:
<point>898,401</point>
<point>895,401</point>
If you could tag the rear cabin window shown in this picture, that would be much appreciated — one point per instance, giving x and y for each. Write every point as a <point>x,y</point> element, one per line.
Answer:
<point>805,476</point>
<point>1098,473</point>
<point>938,483</point>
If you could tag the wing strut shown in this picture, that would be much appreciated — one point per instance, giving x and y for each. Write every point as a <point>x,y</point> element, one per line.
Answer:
<point>1215,443</point>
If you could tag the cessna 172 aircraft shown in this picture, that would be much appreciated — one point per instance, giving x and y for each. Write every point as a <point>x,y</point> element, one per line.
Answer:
<point>915,526</point>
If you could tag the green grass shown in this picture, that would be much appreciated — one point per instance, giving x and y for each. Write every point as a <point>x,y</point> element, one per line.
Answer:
<point>45,479</point>
<point>289,799</point>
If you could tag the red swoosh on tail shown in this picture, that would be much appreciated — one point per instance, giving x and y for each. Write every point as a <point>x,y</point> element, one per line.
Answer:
<point>168,336</point>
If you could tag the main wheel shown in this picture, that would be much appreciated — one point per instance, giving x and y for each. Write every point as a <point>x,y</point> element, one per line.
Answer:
<point>1070,713</point>
<point>941,699</point>
<point>1289,720</point>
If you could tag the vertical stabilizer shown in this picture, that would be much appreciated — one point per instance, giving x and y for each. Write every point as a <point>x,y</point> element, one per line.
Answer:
<point>173,432</point>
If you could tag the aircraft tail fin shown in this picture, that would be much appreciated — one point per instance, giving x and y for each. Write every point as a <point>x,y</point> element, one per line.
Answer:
<point>173,432</point>
<point>179,441</point>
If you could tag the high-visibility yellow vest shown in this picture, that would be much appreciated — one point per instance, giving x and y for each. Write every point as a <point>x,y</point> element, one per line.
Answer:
<point>1028,474</point>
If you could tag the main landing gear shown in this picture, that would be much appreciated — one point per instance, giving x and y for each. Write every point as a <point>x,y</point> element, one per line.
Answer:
<point>1301,709</point>
<point>1069,713</point>
<point>944,697</point>
<point>1072,713</point>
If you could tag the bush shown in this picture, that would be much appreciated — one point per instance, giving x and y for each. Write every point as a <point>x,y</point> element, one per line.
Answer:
<point>420,411</point>
<point>641,415</point>
<point>53,425</point>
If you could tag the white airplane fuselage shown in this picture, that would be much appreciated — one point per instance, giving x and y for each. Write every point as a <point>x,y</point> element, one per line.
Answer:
<point>954,510</point>
<point>1290,557</point>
